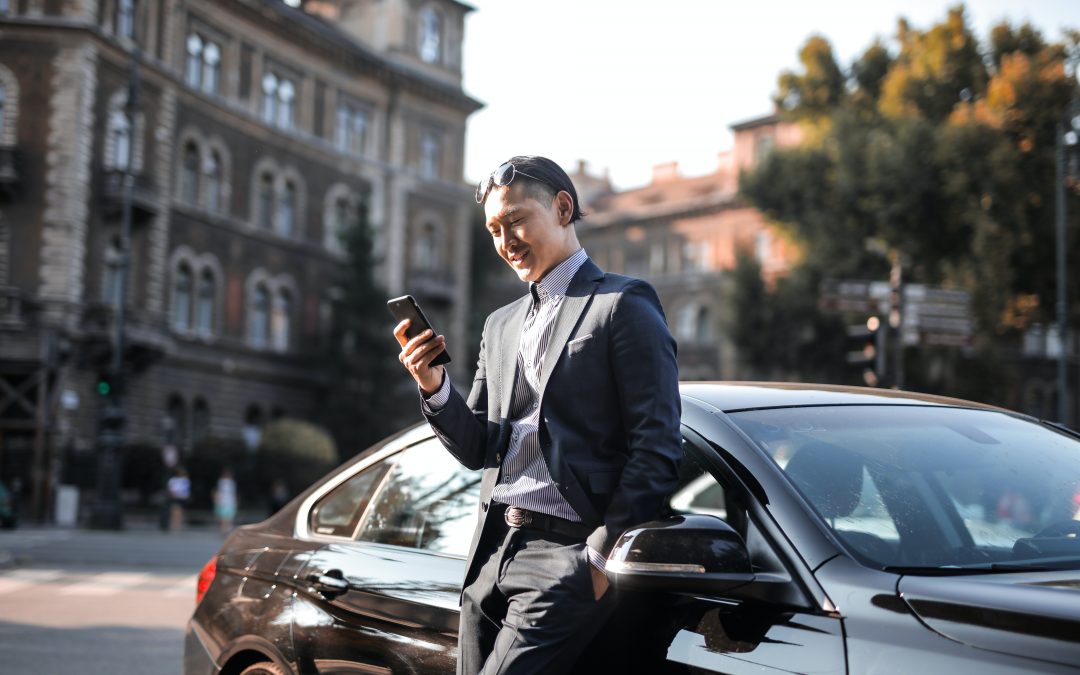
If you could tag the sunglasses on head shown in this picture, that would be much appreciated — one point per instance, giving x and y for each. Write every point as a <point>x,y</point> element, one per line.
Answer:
<point>500,177</point>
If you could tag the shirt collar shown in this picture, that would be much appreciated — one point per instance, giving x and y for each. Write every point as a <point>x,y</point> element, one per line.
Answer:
<point>555,282</point>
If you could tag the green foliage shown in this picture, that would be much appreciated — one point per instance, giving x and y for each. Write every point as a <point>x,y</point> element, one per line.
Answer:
<point>819,88</point>
<point>943,153</point>
<point>778,333</point>
<point>369,394</point>
<point>296,452</point>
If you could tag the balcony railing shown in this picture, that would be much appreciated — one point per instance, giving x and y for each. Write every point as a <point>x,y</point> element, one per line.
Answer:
<point>14,307</point>
<point>144,202</point>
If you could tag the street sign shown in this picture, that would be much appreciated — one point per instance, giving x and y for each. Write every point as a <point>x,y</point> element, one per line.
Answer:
<point>931,316</point>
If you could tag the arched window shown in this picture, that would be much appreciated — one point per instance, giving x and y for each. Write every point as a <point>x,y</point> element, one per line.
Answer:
<point>125,18</point>
<point>211,61</point>
<point>430,36</point>
<point>279,100</point>
<point>212,174</point>
<point>685,322</point>
<point>176,422</point>
<point>200,421</point>
<point>204,303</point>
<point>120,134</point>
<point>110,290</point>
<point>287,210</point>
<point>189,174</point>
<point>265,215</point>
<point>342,218</point>
<point>352,125</point>
<point>270,88</point>
<point>703,332</point>
<point>426,251</point>
<point>280,321</point>
<point>286,104</point>
<point>193,72</point>
<point>181,314</point>
<point>259,318</point>
<point>429,154</point>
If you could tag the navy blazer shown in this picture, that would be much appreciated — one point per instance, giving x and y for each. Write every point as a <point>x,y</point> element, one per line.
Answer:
<point>609,404</point>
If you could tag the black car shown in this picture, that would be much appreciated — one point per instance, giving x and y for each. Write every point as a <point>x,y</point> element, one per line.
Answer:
<point>815,529</point>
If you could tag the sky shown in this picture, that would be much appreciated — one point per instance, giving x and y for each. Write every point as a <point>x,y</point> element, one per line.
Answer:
<point>627,84</point>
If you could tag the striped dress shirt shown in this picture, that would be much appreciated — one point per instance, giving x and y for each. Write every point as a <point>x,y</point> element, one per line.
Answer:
<point>525,480</point>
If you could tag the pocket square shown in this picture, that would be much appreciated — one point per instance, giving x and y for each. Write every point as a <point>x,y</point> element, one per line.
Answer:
<point>577,344</point>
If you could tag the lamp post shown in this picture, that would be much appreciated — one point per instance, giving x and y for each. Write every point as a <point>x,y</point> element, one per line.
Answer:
<point>1068,129</point>
<point>107,510</point>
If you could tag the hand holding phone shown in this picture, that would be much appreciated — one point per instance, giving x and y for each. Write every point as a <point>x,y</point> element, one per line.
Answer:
<point>415,347</point>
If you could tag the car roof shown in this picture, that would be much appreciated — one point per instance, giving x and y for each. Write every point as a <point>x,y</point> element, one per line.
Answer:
<point>732,396</point>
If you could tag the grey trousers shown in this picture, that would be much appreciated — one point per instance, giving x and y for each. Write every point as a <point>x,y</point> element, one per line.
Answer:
<point>531,608</point>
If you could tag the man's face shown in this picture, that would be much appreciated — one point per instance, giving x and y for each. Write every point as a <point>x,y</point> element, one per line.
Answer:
<point>532,237</point>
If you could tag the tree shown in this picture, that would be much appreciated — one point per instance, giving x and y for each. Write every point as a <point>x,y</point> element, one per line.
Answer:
<point>369,395</point>
<point>943,153</point>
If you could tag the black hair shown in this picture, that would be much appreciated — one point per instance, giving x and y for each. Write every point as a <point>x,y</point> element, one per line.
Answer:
<point>548,179</point>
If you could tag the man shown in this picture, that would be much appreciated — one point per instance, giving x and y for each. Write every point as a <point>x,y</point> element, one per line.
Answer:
<point>574,418</point>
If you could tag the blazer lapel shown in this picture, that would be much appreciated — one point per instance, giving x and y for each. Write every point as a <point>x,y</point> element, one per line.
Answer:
<point>578,294</point>
<point>508,351</point>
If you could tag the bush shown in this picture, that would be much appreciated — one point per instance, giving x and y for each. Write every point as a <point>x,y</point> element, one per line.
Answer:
<point>295,452</point>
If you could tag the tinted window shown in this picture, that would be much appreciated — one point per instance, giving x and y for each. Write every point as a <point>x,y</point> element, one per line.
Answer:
<point>338,512</point>
<point>428,502</point>
<point>935,487</point>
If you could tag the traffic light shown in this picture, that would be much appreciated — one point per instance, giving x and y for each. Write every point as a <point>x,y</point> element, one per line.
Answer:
<point>104,385</point>
<point>867,349</point>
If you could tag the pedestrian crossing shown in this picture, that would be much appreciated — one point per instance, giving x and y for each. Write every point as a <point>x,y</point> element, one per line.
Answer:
<point>77,583</point>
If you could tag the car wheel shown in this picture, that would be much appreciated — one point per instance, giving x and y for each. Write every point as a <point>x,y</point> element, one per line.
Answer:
<point>263,668</point>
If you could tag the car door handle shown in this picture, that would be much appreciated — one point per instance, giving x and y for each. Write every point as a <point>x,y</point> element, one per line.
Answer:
<point>330,583</point>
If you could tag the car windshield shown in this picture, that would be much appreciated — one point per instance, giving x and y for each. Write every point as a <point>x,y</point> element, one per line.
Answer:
<point>933,489</point>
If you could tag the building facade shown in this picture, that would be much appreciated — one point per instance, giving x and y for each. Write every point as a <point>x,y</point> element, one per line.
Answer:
<point>683,235</point>
<point>259,131</point>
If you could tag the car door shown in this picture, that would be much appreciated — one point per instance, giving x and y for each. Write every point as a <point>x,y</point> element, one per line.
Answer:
<point>713,633</point>
<point>383,595</point>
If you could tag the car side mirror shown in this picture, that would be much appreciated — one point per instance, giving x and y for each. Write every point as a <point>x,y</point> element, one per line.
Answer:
<point>687,554</point>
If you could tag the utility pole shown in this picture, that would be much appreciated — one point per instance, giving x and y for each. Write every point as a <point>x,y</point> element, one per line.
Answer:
<point>1067,129</point>
<point>107,510</point>
<point>896,315</point>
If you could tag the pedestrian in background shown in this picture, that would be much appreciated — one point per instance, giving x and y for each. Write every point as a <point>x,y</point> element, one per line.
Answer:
<point>179,488</point>
<point>225,500</point>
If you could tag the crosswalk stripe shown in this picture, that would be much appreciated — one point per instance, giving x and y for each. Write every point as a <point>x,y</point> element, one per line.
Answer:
<point>184,588</point>
<point>16,580</point>
<point>105,583</point>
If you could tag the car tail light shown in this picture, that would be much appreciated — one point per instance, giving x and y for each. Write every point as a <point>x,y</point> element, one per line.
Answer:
<point>206,577</point>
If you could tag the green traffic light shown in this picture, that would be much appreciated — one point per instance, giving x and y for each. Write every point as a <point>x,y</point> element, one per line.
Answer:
<point>103,388</point>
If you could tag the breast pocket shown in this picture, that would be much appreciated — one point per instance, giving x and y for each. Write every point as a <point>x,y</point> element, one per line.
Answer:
<point>576,345</point>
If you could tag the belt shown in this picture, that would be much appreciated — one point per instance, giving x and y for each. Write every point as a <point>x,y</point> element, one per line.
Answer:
<point>518,517</point>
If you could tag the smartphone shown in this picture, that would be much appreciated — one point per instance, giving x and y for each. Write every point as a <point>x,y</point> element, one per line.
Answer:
<point>406,307</point>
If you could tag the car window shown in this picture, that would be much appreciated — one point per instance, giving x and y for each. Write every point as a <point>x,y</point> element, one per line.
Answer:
<point>338,513</point>
<point>698,492</point>
<point>921,486</point>
<point>428,501</point>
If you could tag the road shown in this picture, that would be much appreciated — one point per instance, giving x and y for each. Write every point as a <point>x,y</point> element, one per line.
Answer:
<point>115,603</point>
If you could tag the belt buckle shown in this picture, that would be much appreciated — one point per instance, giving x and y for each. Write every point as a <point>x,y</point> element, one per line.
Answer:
<point>516,517</point>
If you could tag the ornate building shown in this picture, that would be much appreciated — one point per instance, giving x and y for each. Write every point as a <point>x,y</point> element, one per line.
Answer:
<point>682,234</point>
<point>260,129</point>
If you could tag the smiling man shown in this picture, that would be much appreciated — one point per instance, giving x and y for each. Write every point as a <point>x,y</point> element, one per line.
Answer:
<point>573,416</point>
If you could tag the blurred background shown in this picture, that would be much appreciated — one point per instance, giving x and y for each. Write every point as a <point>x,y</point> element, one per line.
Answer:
<point>204,206</point>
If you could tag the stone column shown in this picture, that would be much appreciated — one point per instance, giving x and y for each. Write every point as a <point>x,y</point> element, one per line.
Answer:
<point>69,150</point>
